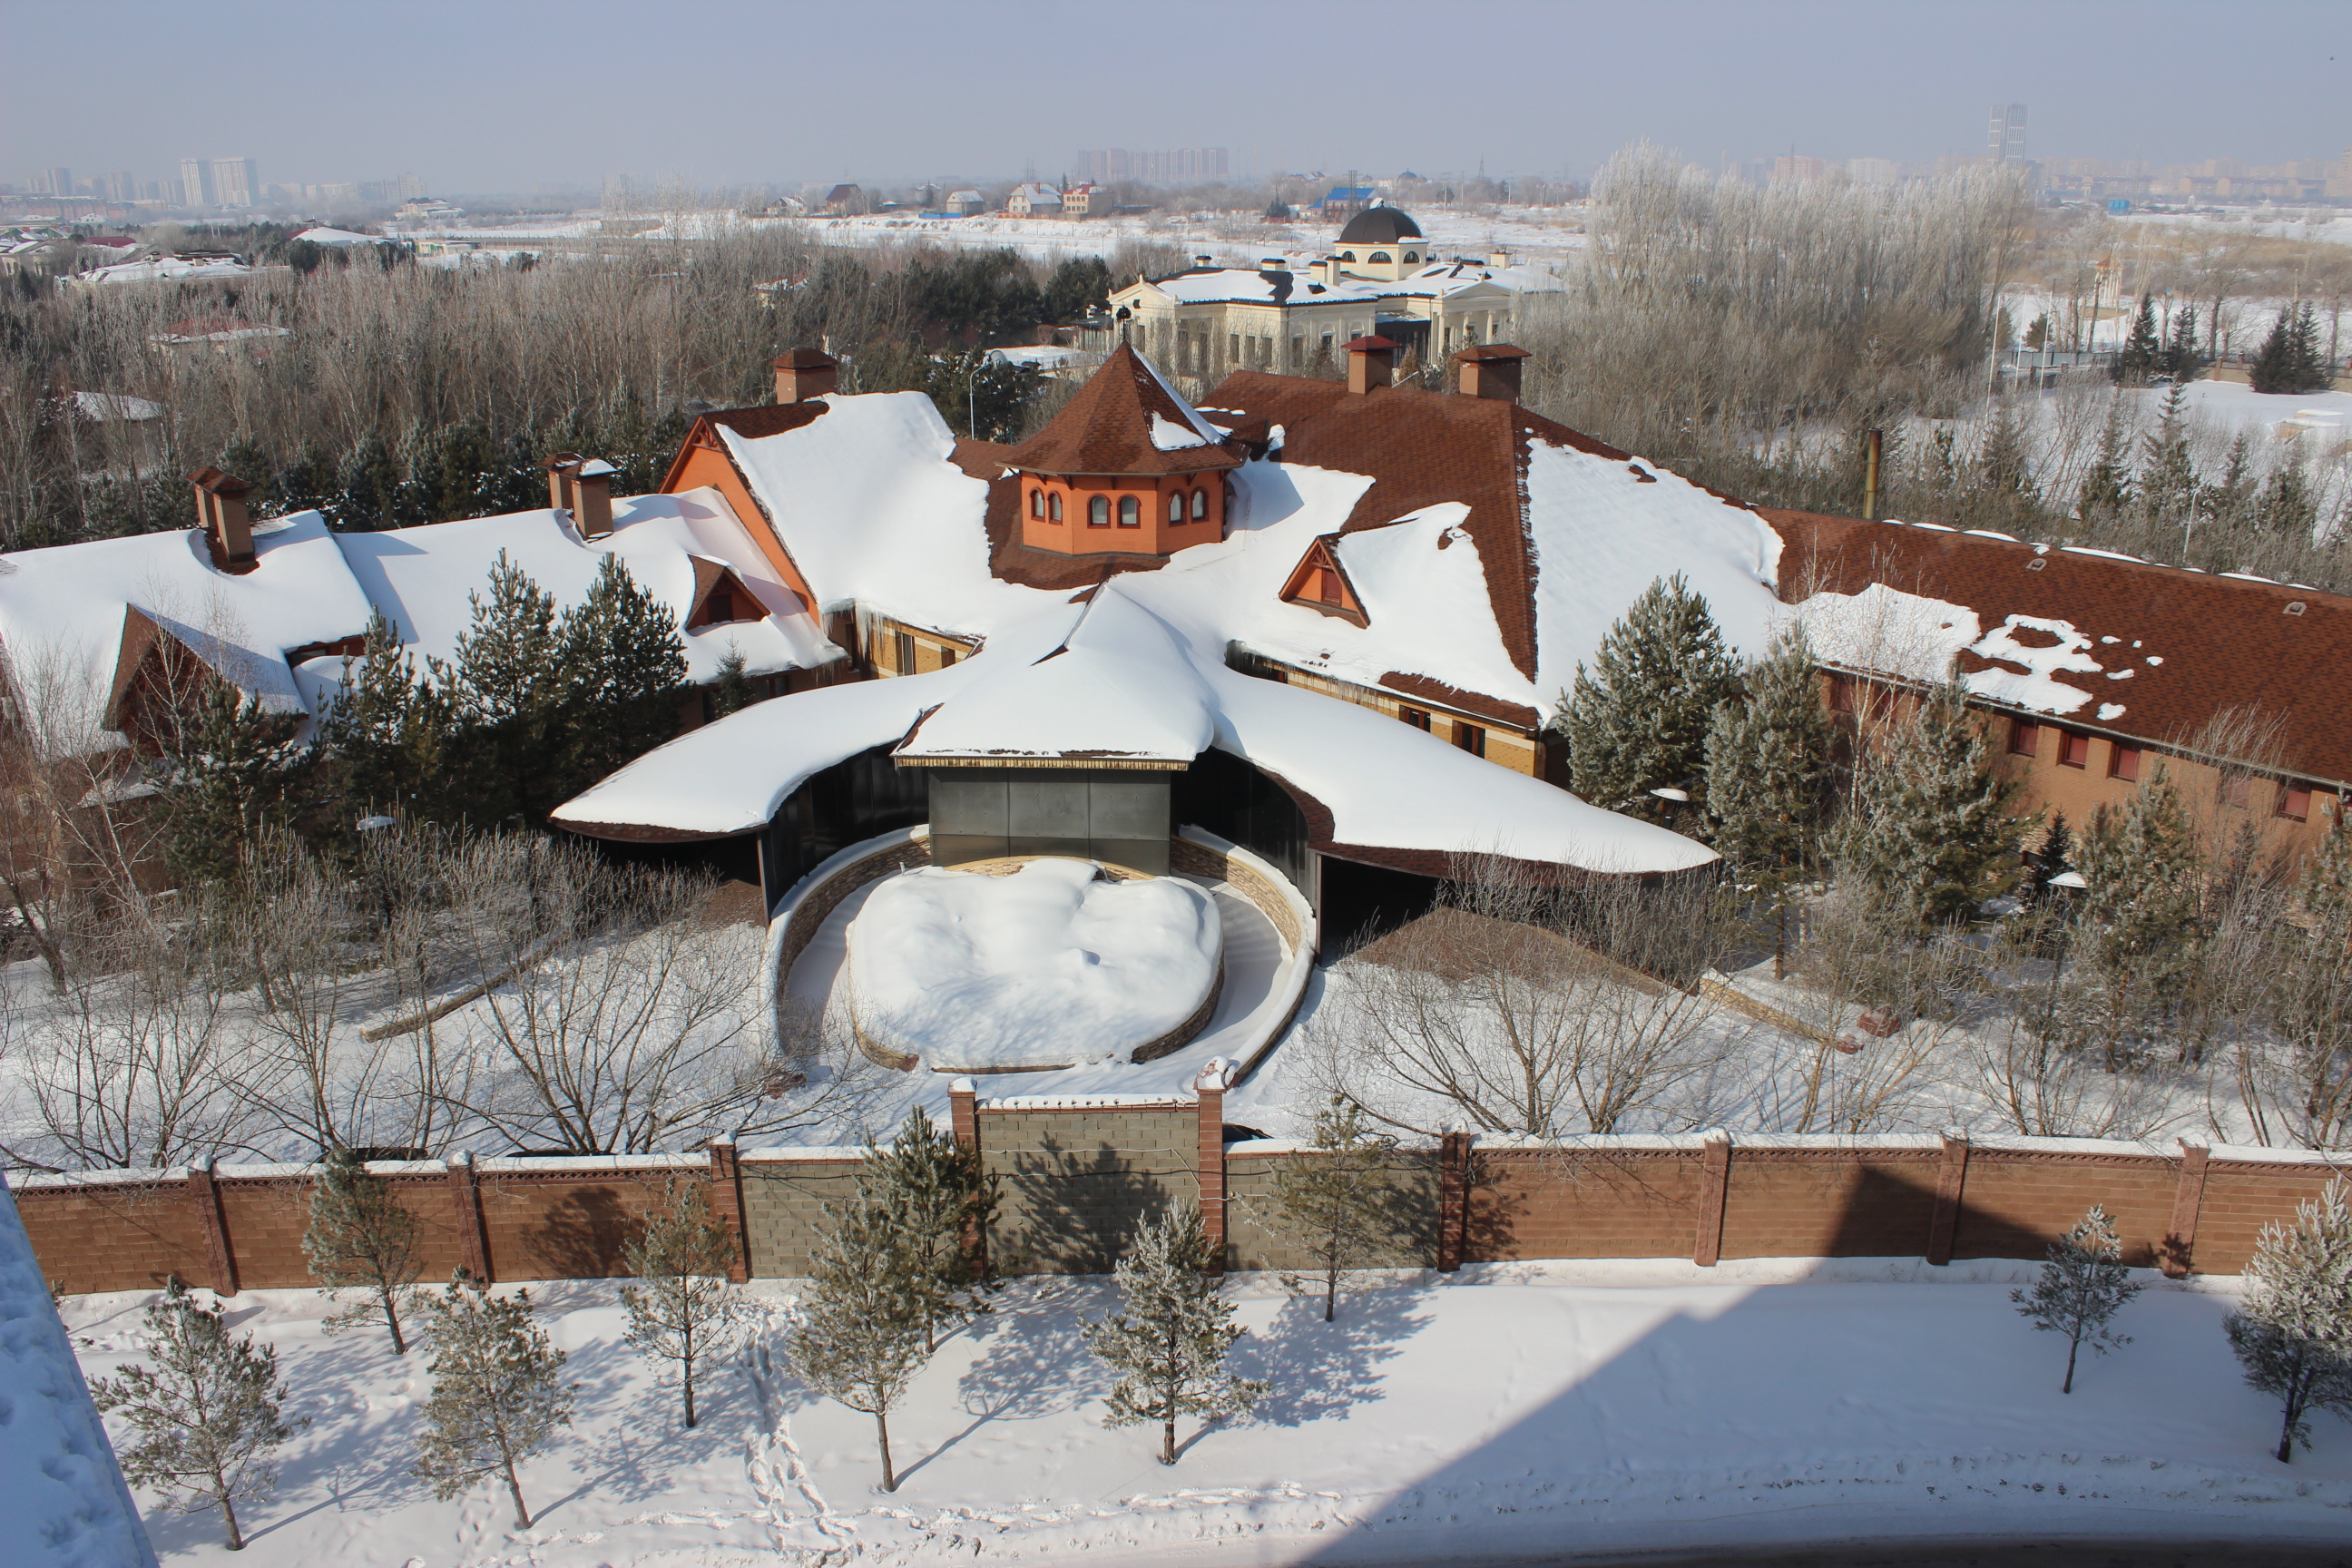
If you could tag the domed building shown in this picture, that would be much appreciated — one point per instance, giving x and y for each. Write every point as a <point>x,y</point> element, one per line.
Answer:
<point>1381,242</point>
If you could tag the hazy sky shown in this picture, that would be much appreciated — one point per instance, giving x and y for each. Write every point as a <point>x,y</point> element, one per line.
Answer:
<point>499,95</point>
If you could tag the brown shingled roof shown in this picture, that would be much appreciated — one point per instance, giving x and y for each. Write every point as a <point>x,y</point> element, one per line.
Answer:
<point>1106,427</point>
<point>2225,642</point>
<point>1422,448</point>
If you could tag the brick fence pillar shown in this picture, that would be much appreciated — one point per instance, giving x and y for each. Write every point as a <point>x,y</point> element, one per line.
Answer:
<point>205,1196</point>
<point>1210,1159</point>
<point>1950,1177</point>
<point>963,1124</point>
<point>2187,1199</point>
<point>727,1201</point>
<point>1452,1199</point>
<point>1714,1193</point>
<point>465,1198</point>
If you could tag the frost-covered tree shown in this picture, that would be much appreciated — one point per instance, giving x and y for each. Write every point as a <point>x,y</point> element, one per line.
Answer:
<point>2293,1331</point>
<point>2141,910</point>
<point>1638,719</point>
<point>1336,1200</point>
<point>1931,829</point>
<point>2081,1289</point>
<point>683,1307</point>
<point>210,1412</point>
<point>362,1245</point>
<point>2308,997</point>
<point>864,1328</point>
<point>936,1192</point>
<point>1168,1341</point>
<point>498,1393</point>
<point>1768,778</point>
<point>2167,484</point>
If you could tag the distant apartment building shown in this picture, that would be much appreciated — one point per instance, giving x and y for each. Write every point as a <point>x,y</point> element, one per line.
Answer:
<point>1791,168</point>
<point>197,189</point>
<point>2005,138</point>
<point>1873,171</point>
<point>1173,167</point>
<point>58,182</point>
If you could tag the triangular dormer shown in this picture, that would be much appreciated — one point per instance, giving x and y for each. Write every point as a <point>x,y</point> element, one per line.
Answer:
<point>1320,583</point>
<point>719,596</point>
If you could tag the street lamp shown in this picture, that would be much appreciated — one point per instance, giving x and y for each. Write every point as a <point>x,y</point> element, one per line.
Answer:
<point>2072,882</point>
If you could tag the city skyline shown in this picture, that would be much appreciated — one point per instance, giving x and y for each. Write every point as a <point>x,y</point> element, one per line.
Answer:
<point>456,91</point>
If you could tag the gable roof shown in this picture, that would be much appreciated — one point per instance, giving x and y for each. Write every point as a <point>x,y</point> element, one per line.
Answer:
<point>2142,650</point>
<point>1126,419</point>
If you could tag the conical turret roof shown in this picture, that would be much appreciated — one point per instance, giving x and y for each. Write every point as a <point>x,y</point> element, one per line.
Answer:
<point>1127,419</point>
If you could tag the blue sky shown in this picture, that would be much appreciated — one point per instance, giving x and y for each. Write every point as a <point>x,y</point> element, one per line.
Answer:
<point>511,94</point>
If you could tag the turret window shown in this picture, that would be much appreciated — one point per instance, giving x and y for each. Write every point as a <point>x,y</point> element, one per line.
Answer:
<point>1378,257</point>
<point>1200,505</point>
<point>1176,507</point>
<point>1054,507</point>
<point>1099,513</point>
<point>1036,503</point>
<point>1130,514</point>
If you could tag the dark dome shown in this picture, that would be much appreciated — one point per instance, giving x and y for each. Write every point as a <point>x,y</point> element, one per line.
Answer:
<point>1380,225</point>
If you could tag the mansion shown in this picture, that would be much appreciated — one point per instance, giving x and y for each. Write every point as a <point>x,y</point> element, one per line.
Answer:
<point>1330,621</point>
<point>1381,278</point>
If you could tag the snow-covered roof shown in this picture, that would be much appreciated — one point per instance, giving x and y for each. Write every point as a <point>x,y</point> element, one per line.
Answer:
<point>423,577</point>
<point>157,270</point>
<point>112,407</point>
<point>62,610</point>
<point>61,1491</point>
<point>322,235</point>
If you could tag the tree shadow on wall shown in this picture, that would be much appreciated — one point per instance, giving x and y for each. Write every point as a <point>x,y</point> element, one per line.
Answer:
<point>582,1236</point>
<point>1072,1212</point>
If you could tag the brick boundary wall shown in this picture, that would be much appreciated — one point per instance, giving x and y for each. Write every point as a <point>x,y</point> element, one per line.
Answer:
<point>1079,1173</point>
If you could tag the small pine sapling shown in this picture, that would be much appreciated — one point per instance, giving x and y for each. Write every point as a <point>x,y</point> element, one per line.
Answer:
<point>865,1328</point>
<point>498,1393</point>
<point>210,1413</point>
<point>1168,1341</point>
<point>2293,1331</point>
<point>683,1308</point>
<point>941,1198</point>
<point>733,691</point>
<point>2081,1289</point>
<point>1333,1198</point>
<point>363,1247</point>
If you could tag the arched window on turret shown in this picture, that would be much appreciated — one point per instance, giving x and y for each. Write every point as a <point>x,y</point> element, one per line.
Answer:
<point>1131,515</point>
<point>1098,513</point>
<point>1036,503</point>
<point>1200,505</point>
<point>1410,257</point>
<point>1380,256</point>
<point>1054,507</point>
<point>1347,256</point>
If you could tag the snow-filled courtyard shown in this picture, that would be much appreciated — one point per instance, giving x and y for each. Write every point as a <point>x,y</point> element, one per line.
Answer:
<point>1507,1409</point>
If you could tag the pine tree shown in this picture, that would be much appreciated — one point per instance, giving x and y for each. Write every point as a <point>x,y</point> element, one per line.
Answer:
<point>866,1322</point>
<point>2292,1330</point>
<point>367,485</point>
<point>2037,331</point>
<point>505,690</point>
<point>362,1244</point>
<point>1168,1339</point>
<point>2106,489</point>
<point>210,1413</point>
<point>623,664</point>
<point>733,691</point>
<point>1334,1199</point>
<point>2143,350</point>
<point>386,729</point>
<point>229,767</point>
<point>498,1393</point>
<point>2290,502</point>
<point>2002,474</point>
<point>2290,359</point>
<point>1768,760</point>
<point>243,458</point>
<point>2081,1289</point>
<point>938,1194</point>
<point>1932,831</point>
<point>2141,909</point>
<point>2183,361</point>
<point>1639,719</point>
<point>2231,501</point>
<point>2168,485</point>
<point>684,1308</point>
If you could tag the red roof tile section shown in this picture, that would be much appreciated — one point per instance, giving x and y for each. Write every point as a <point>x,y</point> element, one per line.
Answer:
<point>1106,428</point>
<point>2225,642</point>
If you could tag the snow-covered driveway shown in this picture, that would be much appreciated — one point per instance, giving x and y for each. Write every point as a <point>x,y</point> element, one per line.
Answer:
<point>1509,1409</point>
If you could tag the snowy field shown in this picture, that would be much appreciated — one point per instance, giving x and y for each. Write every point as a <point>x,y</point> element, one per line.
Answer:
<point>1508,1409</point>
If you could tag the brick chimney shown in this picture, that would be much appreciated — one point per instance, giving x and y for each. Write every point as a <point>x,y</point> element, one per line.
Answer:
<point>1490,370</point>
<point>561,467</point>
<point>803,373</point>
<point>221,513</point>
<point>1370,362</point>
<point>591,498</point>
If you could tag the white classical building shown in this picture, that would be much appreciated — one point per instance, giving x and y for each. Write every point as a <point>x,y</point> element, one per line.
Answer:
<point>1381,277</point>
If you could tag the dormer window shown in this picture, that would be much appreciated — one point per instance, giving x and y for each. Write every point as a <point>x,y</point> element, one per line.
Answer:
<point>722,599</point>
<point>1317,584</point>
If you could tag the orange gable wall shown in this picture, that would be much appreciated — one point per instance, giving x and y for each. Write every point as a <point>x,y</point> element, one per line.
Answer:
<point>699,468</point>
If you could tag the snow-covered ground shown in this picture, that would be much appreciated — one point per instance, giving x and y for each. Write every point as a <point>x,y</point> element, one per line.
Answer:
<point>1519,1409</point>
